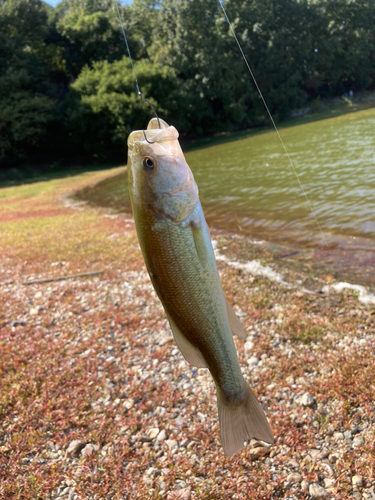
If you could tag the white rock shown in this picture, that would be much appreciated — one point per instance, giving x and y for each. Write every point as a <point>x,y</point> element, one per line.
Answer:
<point>358,441</point>
<point>328,482</point>
<point>171,443</point>
<point>248,346</point>
<point>338,436</point>
<point>253,361</point>
<point>306,400</point>
<point>151,471</point>
<point>294,477</point>
<point>180,494</point>
<point>128,404</point>
<point>317,491</point>
<point>357,481</point>
<point>88,450</point>
<point>152,432</point>
<point>162,436</point>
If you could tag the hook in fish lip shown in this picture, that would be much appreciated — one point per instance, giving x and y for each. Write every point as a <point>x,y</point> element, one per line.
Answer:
<point>151,106</point>
<point>150,142</point>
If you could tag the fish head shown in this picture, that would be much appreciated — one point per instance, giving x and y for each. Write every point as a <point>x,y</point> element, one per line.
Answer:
<point>159,177</point>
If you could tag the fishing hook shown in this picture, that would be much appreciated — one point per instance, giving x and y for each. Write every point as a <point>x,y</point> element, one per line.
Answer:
<point>153,109</point>
<point>151,106</point>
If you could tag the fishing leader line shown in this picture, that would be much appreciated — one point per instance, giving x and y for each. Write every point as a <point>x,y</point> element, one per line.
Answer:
<point>139,93</point>
<point>221,2</point>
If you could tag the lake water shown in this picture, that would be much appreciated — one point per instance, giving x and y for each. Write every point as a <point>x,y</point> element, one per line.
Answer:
<point>249,186</point>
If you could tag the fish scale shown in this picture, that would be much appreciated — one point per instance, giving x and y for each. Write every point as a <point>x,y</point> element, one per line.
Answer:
<point>180,260</point>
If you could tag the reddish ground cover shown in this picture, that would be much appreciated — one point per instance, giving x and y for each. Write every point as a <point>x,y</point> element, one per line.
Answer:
<point>97,402</point>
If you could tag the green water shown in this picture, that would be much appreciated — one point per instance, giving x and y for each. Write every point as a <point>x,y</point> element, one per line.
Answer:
<point>249,186</point>
<point>251,182</point>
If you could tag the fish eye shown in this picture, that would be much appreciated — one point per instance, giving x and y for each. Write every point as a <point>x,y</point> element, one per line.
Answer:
<point>148,163</point>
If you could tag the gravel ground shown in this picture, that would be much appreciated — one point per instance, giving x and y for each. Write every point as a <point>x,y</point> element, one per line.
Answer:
<point>97,401</point>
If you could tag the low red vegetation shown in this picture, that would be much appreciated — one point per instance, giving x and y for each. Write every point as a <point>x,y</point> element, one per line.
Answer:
<point>89,368</point>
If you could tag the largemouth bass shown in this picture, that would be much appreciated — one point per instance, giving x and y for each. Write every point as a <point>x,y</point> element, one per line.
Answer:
<point>180,260</point>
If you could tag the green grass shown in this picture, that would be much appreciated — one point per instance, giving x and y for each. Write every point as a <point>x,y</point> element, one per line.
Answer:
<point>319,110</point>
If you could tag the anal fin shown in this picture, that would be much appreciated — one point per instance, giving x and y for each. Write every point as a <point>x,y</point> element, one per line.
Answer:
<point>235,324</point>
<point>192,355</point>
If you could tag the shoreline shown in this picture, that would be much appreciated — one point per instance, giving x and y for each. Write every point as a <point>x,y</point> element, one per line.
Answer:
<point>97,401</point>
<point>324,110</point>
<point>342,262</point>
<point>330,109</point>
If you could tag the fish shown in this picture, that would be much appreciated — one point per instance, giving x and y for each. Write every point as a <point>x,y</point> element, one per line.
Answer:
<point>180,260</point>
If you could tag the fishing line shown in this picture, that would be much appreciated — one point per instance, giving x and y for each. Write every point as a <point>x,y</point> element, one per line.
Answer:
<point>274,125</point>
<point>134,73</point>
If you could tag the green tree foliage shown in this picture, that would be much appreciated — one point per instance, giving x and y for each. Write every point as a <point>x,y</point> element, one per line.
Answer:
<point>25,109</point>
<point>66,85</point>
<point>105,106</point>
<point>87,33</point>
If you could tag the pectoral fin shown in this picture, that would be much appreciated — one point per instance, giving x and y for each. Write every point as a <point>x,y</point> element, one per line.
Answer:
<point>235,324</point>
<point>192,355</point>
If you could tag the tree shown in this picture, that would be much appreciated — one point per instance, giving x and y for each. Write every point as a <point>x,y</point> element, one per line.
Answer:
<point>25,110</point>
<point>105,106</point>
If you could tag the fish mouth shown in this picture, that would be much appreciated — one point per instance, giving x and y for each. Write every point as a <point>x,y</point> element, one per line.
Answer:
<point>157,123</point>
<point>157,131</point>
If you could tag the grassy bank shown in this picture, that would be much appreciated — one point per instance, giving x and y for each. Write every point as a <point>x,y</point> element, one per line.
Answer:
<point>96,401</point>
<point>318,110</point>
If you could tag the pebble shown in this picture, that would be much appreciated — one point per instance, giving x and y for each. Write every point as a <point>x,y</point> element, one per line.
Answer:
<point>161,436</point>
<point>322,454</point>
<point>88,450</point>
<point>179,420</point>
<point>358,441</point>
<point>74,447</point>
<point>128,404</point>
<point>253,361</point>
<point>307,400</point>
<point>294,477</point>
<point>152,432</point>
<point>151,471</point>
<point>304,485</point>
<point>317,491</point>
<point>248,346</point>
<point>171,443</point>
<point>328,482</point>
<point>357,481</point>
<point>338,436</point>
<point>259,452</point>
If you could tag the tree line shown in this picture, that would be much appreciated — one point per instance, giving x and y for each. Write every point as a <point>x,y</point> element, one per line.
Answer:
<point>67,87</point>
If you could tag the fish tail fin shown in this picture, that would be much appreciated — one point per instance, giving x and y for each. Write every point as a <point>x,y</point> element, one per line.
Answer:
<point>241,420</point>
